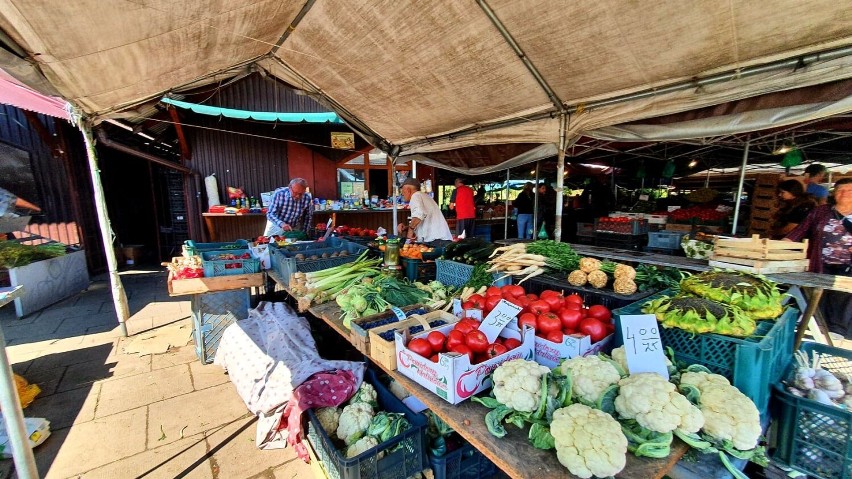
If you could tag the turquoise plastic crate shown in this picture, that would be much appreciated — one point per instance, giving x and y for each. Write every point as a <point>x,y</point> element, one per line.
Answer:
<point>813,438</point>
<point>228,267</point>
<point>194,248</point>
<point>751,364</point>
<point>285,264</point>
<point>463,463</point>
<point>418,270</point>
<point>452,273</point>
<point>667,240</point>
<point>212,313</point>
<point>396,463</point>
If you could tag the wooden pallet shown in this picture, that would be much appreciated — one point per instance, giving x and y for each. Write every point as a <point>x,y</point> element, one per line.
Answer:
<point>678,228</point>
<point>760,249</point>
<point>760,266</point>
<point>181,287</point>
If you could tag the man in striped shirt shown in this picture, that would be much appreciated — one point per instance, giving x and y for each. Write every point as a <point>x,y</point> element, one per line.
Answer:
<point>291,209</point>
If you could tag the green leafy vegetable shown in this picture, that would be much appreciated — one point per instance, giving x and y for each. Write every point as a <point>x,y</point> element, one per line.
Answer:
<point>14,254</point>
<point>541,438</point>
<point>560,256</point>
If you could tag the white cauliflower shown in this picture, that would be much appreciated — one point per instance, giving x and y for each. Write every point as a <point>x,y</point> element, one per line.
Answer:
<point>517,384</point>
<point>656,405</point>
<point>362,445</point>
<point>365,394</point>
<point>329,417</point>
<point>590,376</point>
<point>354,420</point>
<point>728,413</point>
<point>588,442</point>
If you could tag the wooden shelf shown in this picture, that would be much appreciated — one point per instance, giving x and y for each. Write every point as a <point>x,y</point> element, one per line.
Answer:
<point>513,453</point>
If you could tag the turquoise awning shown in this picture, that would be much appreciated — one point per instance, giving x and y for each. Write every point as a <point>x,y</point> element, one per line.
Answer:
<point>327,117</point>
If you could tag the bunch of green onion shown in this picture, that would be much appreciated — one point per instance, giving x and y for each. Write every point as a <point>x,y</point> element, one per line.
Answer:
<point>320,286</point>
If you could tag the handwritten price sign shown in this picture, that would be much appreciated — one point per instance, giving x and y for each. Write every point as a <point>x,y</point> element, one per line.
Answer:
<point>498,318</point>
<point>642,344</point>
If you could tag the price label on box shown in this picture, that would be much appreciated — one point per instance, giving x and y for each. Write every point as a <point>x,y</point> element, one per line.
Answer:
<point>642,344</point>
<point>498,318</point>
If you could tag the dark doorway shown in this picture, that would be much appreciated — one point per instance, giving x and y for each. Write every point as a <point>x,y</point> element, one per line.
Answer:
<point>379,183</point>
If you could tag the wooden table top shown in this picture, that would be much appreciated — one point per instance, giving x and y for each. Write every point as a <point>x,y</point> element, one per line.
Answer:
<point>513,453</point>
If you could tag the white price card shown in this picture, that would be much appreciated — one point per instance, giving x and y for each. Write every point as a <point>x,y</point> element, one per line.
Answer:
<point>642,344</point>
<point>473,314</point>
<point>457,308</point>
<point>643,197</point>
<point>498,318</point>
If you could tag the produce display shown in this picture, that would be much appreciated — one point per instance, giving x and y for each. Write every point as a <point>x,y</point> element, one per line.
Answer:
<point>314,257</point>
<point>701,315</point>
<point>229,256</point>
<point>14,254</point>
<point>469,251</point>
<point>344,230</point>
<point>699,213</point>
<point>597,273</point>
<point>283,239</point>
<point>621,225</point>
<point>465,339</point>
<point>810,380</point>
<point>186,267</point>
<point>754,294</point>
<point>415,251</point>
<point>374,295</point>
<point>532,259</point>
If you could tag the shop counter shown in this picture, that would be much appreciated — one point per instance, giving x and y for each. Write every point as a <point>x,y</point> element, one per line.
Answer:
<point>223,227</point>
<point>369,219</point>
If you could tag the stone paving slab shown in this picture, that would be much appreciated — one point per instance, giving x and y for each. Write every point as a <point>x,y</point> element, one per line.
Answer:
<point>207,375</point>
<point>67,408</point>
<point>186,456</point>
<point>174,356</point>
<point>131,392</point>
<point>194,413</point>
<point>84,374</point>
<point>238,456</point>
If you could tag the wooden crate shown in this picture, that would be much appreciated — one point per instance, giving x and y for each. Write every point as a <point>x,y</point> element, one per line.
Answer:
<point>760,266</point>
<point>182,287</point>
<point>762,202</point>
<point>360,338</point>
<point>384,352</point>
<point>757,248</point>
<point>679,228</point>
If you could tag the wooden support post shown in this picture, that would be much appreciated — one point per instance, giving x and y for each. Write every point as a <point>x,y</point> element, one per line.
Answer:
<point>185,152</point>
<point>813,303</point>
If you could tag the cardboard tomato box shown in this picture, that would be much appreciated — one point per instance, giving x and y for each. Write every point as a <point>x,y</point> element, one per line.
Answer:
<point>453,378</point>
<point>550,354</point>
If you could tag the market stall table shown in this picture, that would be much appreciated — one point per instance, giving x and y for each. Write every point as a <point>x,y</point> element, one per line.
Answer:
<point>369,219</point>
<point>513,453</point>
<point>224,227</point>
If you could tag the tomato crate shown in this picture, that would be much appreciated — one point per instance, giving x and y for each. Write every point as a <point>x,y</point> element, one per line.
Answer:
<point>359,331</point>
<point>621,241</point>
<point>397,458</point>
<point>629,226</point>
<point>463,463</point>
<point>751,364</point>
<point>419,270</point>
<point>813,438</point>
<point>608,298</point>
<point>228,267</point>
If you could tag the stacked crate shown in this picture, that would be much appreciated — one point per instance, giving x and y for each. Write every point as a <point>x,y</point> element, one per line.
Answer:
<point>763,203</point>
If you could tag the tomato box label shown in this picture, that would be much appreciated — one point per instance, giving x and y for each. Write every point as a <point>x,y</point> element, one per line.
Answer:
<point>453,377</point>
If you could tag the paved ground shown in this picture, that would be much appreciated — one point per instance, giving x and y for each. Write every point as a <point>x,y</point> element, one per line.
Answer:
<point>116,415</point>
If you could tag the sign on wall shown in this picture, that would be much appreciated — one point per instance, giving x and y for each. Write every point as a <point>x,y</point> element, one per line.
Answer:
<point>343,141</point>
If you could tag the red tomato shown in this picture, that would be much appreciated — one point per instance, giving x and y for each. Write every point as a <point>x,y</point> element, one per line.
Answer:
<point>476,341</point>
<point>491,303</point>
<point>610,328</point>
<point>421,347</point>
<point>434,358</point>
<point>570,318</point>
<point>516,290</point>
<point>436,340</point>
<point>478,303</point>
<point>462,349</point>
<point>539,307</point>
<point>568,332</point>
<point>507,290</point>
<point>528,319</point>
<point>549,292</point>
<point>548,322</point>
<point>574,298</point>
<point>495,349</point>
<point>468,305</point>
<point>554,301</point>
<point>554,336</point>
<point>594,328</point>
<point>532,297</point>
<point>493,291</point>
<point>523,302</point>
<point>600,312</point>
<point>573,306</point>
<point>476,297</point>
<point>465,326</point>
<point>511,343</point>
<point>455,338</point>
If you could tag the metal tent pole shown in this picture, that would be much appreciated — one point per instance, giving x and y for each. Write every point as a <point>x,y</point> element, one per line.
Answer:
<point>740,188</point>
<point>560,176</point>
<point>10,403</point>
<point>395,193</point>
<point>119,298</point>
<point>535,200</point>
<point>506,208</point>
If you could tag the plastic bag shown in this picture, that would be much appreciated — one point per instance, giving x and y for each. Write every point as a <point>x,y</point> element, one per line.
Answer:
<point>235,193</point>
<point>189,273</point>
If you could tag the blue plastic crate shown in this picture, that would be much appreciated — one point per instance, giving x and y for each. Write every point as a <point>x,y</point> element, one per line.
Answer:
<point>211,314</point>
<point>194,248</point>
<point>331,242</point>
<point>751,364</point>
<point>463,463</point>
<point>418,270</point>
<point>813,438</point>
<point>590,296</point>
<point>322,247</point>
<point>452,273</point>
<point>669,240</point>
<point>228,267</point>
<point>401,463</point>
<point>285,264</point>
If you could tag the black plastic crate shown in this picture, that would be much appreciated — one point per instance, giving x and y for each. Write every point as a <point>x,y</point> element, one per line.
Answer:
<point>590,295</point>
<point>463,463</point>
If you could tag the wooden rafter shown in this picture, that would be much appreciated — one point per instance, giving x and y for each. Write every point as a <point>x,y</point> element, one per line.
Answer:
<point>184,146</point>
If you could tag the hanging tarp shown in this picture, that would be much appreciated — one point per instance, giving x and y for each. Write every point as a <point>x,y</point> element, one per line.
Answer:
<point>327,117</point>
<point>13,92</point>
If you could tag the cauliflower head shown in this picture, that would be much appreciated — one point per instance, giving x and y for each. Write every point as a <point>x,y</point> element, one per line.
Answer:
<point>728,413</point>
<point>362,445</point>
<point>329,418</point>
<point>365,394</point>
<point>517,384</point>
<point>656,405</point>
<point>588,442</point>
<point>354,421</point>
<point>590,376</point>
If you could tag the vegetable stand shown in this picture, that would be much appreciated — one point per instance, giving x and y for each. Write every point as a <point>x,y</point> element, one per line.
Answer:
<point>513,454</point>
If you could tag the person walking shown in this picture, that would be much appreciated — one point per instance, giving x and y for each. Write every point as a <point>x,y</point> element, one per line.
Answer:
<point>525,204</point>
<point>462,201</point>
<point>829,232</point>
<point>546,209</point>
<point>291,209</point>
<point>426,222</point>
<point>814,176</point>
<point>794,206</point>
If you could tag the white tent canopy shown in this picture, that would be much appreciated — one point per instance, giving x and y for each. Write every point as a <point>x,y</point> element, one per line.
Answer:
<point>418,77</point>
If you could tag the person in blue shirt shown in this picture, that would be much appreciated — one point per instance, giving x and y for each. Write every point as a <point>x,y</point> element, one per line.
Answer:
<point>814,175</point>
<point>291,209</point>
